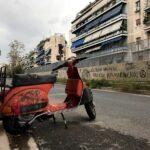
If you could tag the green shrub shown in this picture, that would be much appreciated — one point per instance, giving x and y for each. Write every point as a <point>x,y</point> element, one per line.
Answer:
<point>63,81</point>
<point>127,86</point>
<point>99,83</point>
<point>131,86</point>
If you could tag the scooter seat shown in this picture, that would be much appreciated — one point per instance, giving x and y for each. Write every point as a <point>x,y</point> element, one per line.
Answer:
<point>32,79</point>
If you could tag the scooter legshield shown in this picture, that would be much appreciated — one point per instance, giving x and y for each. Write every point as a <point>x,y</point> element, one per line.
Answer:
<point>26,100</point>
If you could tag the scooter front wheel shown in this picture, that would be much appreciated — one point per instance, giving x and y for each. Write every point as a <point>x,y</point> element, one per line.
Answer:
<point>90,109</point>
<point>12,125</point>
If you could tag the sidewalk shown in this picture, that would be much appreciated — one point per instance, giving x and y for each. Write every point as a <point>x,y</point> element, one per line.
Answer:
<point>4,143</point>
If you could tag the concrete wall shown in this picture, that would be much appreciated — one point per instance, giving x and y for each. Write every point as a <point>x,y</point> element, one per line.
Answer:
<point>139,71</point>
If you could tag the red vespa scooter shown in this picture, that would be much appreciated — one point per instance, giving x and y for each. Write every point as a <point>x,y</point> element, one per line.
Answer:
<point>27,99</point>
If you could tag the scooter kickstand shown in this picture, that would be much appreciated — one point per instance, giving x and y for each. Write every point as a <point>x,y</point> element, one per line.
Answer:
<point>54,119</point>
<point>63,117</point>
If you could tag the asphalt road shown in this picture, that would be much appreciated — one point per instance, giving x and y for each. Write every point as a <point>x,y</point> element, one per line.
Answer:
<point>123,122</point>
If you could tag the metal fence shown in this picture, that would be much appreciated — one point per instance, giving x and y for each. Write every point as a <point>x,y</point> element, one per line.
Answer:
<point>135,49</point>
<point>45,68</point>
<point>140,45</point>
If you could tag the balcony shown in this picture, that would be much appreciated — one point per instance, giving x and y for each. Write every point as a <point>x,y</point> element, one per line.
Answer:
<point>123,49</point>
<point>142,45</point>
<point>48,63</point>
<point>38,59</point>
<point>41,53</point>
<point>119,2</point>
<point>147,22</point>
<point>108,31</point>
<point>101,40</point>
<point>101,26</point>
<point>147,9</point>
<point>48,52</point>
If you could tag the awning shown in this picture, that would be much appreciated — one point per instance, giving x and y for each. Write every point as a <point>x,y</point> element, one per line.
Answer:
<point>147,9</point>
<point>114,12</point>
<point>96,35</point>
<point>77,43</point>
<point>92,36</point>
<point>111,28</point>
<point>104,31</point>
<point>111,41</point>
<point>93,24</point>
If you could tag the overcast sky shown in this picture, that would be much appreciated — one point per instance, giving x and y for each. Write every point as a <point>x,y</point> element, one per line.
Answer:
<point>29,21</point>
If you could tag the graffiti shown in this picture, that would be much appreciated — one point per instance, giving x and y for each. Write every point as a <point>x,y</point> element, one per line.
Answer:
<point>139,71</point>
<point>122,75</point>
<point>32,95</point>
<point>112,68</point>
<point>86,74</point>
<point>98,75</point>
<point>143,74</point>
<point>129,66</point>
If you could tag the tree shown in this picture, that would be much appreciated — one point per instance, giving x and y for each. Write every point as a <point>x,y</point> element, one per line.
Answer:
<point>15,56</point>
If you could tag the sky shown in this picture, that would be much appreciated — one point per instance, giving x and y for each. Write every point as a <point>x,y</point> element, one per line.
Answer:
<point>30,21</point>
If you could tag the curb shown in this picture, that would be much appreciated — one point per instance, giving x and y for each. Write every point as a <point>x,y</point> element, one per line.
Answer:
<point>114,91</point>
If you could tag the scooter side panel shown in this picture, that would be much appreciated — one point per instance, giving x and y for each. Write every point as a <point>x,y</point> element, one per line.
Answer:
<point>25,100</point>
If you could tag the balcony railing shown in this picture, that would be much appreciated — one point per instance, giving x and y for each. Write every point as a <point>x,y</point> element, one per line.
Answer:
<point>147,5</point>
<point>146,20</point>
<point>111,51</point>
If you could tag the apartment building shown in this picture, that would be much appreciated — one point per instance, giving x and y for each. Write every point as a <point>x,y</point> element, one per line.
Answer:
<point>30,60</point>
<point>139,29</point>
<point>52,50</point>
<point>105,30</point>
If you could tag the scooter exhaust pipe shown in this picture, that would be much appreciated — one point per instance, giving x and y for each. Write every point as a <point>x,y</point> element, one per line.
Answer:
<point>1,117</point>
<point>37,116</point>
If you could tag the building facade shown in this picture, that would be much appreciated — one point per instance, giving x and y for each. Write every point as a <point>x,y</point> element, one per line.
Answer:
<point>109,30</point>
<point>139,29</point>
<point>52,50</point>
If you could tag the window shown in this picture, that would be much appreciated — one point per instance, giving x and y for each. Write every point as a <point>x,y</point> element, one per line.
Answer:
<point>138,43</point>
<point>140,57</point>
<point>138,6</point>
<point>138,40</point>
<point>138,22</point>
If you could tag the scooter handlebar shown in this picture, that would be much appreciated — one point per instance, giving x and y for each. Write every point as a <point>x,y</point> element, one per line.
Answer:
<point>59,67</point>
<point>72,59</point>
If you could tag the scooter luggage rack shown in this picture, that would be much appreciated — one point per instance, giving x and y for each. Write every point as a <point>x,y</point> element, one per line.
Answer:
<point>2,81</point>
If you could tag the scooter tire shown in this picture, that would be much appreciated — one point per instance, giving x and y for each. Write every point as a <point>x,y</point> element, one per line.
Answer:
<point>90,109</point>
<point>12,126</point>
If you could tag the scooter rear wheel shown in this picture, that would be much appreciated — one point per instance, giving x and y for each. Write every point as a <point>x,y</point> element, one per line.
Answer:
<point>12,125</point>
